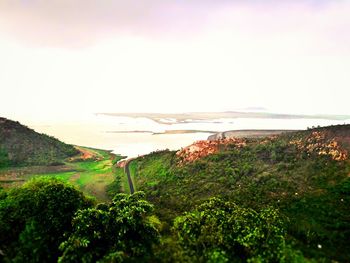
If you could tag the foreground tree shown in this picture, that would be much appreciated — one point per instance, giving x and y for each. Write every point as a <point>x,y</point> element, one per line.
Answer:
<point>35,217</point>
<point>221,231</point>
<point>116,232</point>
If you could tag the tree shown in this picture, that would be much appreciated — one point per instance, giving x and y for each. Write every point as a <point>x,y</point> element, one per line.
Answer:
<point>35,217</point>
<point>224,232</point>
<point>122,230</point>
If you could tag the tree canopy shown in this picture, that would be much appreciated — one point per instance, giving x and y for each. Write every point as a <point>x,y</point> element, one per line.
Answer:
<point>115,232</point>
<point>35,217</point>
<point>220,231</point>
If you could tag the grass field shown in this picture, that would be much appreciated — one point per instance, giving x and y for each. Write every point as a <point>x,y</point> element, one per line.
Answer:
<point>92,176</point>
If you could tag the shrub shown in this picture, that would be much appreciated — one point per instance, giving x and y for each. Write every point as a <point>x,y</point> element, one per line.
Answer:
<point>223,231</point>
<point>35,217</point>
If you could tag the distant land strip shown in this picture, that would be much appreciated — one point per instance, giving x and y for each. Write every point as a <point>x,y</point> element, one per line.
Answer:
<point>191,117</point>
<point>165,132</point>
<point>135,131</point>
<point>247,134</point>
<point>183,132</point>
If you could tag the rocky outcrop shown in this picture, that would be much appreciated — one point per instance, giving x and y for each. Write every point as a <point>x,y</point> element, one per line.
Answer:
<point>204,148</point>
<point>318,143</point>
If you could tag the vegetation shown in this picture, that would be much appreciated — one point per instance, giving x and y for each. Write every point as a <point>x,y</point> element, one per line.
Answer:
<point>222,231</point>
<point>35,217</point>
<point>277,199</point>
<point>21,146</point>
<point>95,176</point>
<point>311,190</point>
<point>46,220</point>
<point>119,231</point>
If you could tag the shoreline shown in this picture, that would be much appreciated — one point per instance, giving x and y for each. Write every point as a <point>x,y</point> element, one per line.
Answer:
<point>210,117</point>
<point>166,132</point>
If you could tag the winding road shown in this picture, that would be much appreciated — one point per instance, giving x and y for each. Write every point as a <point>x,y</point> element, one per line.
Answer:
<point>127,172</point>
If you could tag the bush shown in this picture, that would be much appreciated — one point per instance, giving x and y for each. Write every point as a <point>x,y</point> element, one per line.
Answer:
<point>223,231</point>
<point>122,230</point>
<point>35,217</point>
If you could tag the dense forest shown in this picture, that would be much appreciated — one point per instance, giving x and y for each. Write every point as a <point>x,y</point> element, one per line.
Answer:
<point>279,199</point>
<point>47,220</point>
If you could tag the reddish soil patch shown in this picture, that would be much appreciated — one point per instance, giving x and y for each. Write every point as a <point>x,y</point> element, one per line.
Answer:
<point>204,148</point>
<point>85,154</point>
<point>121,164</point>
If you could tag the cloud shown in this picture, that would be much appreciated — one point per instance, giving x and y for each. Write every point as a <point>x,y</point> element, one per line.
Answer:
<point>291,55</point>
<point>81,23</point>
<point>62,22</point>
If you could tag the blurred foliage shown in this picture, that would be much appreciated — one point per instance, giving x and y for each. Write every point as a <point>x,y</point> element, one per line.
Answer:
<point>116,232</point>
<point>35,217</point>
<point>223,231</point>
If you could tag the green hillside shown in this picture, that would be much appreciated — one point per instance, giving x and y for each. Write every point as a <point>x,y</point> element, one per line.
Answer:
<point>304,175</point>
<point>22,146</point>
<point>283,198</point>
<point>26,154</point>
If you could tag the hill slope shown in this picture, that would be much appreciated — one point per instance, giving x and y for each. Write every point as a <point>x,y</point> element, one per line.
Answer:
<point>306,175</point>
<point>22,146</point>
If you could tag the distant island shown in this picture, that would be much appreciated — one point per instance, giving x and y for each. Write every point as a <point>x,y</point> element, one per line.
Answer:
<point>195,117</point>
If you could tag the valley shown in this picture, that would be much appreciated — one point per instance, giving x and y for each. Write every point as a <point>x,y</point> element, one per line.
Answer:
<point>155,131</point>
<point>91,171</point>
<point>285,191</point>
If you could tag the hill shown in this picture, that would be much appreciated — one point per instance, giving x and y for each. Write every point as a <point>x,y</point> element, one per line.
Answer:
<point>282,198</point>
<point>304,174</point>
<point>22,146</point>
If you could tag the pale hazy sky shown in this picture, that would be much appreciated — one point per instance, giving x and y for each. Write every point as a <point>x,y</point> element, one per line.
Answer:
<point>63,58</point>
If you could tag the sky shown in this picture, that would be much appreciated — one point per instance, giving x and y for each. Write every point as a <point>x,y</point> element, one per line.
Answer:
<point>67,58</point>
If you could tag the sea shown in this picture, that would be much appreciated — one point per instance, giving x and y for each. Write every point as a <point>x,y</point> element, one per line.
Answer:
<point>133,137</point>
